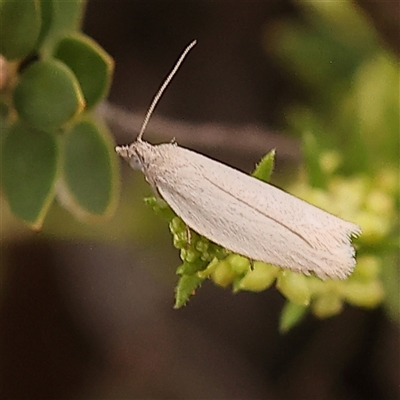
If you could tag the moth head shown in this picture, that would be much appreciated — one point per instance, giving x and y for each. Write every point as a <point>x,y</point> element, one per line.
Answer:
<point>131,155</point>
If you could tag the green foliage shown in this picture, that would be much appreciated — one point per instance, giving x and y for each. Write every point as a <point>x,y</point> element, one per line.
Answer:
<point>350,129</point>
<point>90,64</point>
<point>88,186</point>
<point>45,105</point>
<point>20,23</point>
<point>48,95</point>
<point>29,165</point>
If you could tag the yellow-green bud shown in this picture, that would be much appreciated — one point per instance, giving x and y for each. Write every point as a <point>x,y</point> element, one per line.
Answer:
<point>368,294</point>
<point>261,277</point>
<point>239,264</point>
<point>223,274</point>
<point>189,255</point>
<point>202,245</point>
<point>327,305</point>
<point>180,239</point>
<point>294,287</point>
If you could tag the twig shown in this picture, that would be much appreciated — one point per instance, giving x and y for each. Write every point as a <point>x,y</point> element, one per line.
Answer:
<point>246,139</point>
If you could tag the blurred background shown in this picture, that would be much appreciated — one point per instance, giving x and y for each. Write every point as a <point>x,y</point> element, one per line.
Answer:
<point>87,310</point>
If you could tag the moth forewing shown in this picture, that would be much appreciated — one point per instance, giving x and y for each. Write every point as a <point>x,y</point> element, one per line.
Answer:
<point>232,209</point>
<point>241,213</point>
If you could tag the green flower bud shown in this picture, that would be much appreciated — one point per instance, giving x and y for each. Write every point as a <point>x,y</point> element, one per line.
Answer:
<point>206,256</point>
<point>202,245</point>
<point>327,305</point>
<point>261,277</point>
<point>180,239</point>
<point>239,264</point>
<point>189,255</point>
<point>223,274</point>
<point>294,287</point>
<point>368,294</point>
<point>177,225</point>
<point>218,251</point>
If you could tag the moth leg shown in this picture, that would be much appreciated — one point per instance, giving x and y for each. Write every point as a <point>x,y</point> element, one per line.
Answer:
<point>251,265</point>
<point>188,235</point>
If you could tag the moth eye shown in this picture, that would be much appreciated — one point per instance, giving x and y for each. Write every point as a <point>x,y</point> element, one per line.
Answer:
<point>135,162</point>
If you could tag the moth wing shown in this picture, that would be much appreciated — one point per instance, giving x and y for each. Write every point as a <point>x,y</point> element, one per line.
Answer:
<point>249,217</point>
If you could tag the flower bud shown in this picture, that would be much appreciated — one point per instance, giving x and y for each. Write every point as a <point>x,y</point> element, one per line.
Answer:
<point>261,277</point>
<point>369,294</point>
<point>177,225</point>
<point>327,305</point>
<point>189,255</point>
<point>223,274</point>
<point>239,264</point>
<point>294,287</point>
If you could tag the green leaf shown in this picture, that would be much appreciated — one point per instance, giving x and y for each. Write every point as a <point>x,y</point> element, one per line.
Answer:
<point>66,17</point>
<point>291,315</point>
<point>29,170</point>
<point>19,27</point>
<point>91,65</point>
<point>186,286</point>
<point>190,268</point>
<point>264,168</point>
<point>47,11</point>
<point>89,185</point>
<point>48,95</point>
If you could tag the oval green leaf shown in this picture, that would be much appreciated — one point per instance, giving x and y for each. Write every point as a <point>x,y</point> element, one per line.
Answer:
<point>29,169</point>
<point>47,11</point>
<point>91,65</point>
<point>20,23</point>
<point>48,95</point>
<point>90,181</point>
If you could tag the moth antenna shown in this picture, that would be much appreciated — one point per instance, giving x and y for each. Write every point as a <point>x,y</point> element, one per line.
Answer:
<point>162,89</point>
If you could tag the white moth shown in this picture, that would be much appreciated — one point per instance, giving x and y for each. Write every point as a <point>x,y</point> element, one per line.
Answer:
<point>242,213</point>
